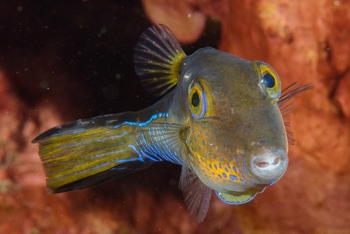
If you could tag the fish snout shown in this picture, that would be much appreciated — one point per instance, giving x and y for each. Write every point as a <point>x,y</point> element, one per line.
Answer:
<point>269,166</point>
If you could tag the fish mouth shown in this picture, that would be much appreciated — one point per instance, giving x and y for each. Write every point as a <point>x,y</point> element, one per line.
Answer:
<point>269,166</point>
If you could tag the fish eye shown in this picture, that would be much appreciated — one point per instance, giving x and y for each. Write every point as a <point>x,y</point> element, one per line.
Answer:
<point>197,100</point>
<point>270,80</point>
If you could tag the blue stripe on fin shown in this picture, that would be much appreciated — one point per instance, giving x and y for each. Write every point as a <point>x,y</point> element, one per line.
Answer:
<point>160,141</point>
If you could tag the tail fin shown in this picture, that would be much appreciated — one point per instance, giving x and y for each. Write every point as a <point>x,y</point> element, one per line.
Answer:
<point>83,153</point>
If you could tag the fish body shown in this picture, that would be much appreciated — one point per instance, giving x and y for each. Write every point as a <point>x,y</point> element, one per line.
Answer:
<point>221,120</point>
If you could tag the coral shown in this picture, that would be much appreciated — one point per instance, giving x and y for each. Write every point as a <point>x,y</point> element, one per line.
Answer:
<point>61,62</point>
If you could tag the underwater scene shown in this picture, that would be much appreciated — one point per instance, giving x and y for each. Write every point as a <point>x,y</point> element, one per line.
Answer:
<point>158,116</point>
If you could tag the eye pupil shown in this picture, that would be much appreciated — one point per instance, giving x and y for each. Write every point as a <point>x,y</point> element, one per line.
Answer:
<point>195,99</point>
<point>269,80</point>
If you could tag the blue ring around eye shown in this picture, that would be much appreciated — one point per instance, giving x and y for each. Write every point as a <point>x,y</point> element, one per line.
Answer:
<point>204,102</point>
<point>270,80</point>
<point>277,96</point>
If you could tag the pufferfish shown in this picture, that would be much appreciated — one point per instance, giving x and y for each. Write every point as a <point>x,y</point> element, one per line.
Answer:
<point>221,120</point>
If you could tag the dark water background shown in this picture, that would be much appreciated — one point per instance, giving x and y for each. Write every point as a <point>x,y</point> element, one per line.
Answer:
<point>77,56</point>
<point>80,49</point>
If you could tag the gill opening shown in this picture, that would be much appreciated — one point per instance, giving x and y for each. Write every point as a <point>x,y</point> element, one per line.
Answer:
<point>242,162</point>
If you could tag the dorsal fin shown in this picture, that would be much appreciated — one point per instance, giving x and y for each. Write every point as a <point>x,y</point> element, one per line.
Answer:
<point>158,59</point>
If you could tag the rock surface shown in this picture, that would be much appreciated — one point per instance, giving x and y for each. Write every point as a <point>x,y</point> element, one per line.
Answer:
<point>62,62</point>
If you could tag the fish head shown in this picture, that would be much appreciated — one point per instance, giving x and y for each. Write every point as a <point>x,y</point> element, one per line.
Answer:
<point>227,113</point>
<point>236,138</point>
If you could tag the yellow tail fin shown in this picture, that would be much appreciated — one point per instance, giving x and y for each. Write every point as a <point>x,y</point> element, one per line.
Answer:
<point>88,152</point>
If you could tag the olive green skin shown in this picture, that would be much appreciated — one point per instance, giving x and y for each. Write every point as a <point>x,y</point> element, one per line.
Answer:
<point>220,120</point>
<point>240,119</point>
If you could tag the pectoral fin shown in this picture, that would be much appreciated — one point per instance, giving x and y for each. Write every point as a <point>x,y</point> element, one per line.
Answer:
<point>197,195</point>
